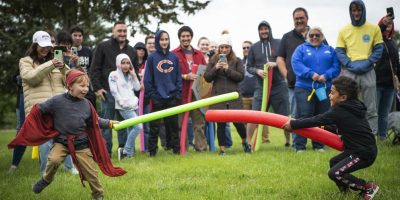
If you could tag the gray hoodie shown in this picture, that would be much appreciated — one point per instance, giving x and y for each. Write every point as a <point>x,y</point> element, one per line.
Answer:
<point>262,52</point>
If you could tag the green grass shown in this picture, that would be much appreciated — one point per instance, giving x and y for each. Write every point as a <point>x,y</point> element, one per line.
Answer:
<point>274,172</point>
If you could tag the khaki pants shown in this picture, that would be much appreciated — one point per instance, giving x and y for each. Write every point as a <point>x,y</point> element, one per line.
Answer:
<point>200,140</point>
<point>86,164</point>
<point>247,104</point>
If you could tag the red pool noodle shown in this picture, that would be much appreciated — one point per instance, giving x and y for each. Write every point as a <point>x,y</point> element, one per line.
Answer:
<point>275,120</point>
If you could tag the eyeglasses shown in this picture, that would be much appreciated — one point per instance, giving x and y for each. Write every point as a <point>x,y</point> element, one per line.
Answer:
<point>246,48</point>
<point>315,35</point>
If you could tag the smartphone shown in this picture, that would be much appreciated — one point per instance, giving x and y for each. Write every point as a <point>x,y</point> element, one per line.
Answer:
<point>58,54</point>
<point>74,50</point>
<point>390,12</point>
<point>62,48</point>
<point>222,58</point>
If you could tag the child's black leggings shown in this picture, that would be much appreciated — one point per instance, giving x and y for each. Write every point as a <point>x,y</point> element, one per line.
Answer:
<point>344,164</point>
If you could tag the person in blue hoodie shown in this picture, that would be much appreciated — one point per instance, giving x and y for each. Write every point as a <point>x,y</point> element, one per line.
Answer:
<point>315,65</point>
<point>359,46</point>
<point>163,85</point>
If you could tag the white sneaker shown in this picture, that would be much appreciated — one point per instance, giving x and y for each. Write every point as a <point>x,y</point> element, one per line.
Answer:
<point>321,150</point>
<point>74,171</point>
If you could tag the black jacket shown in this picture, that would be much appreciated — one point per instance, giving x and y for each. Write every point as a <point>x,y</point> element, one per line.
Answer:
<point>104,62</point>
<point>383,71</point>
<point>352,125</point>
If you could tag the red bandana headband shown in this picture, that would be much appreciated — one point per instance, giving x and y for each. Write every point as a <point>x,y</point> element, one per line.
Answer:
<point>72,76</point>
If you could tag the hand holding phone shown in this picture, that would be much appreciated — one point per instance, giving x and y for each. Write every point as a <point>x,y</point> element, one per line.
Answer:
<point>390,12</point>
<point>58,54</point>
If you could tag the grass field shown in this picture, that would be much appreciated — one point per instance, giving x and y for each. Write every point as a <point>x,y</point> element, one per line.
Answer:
<point>274,172</point>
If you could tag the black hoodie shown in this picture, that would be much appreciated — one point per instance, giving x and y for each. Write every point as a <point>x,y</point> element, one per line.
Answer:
<point>352,125</point>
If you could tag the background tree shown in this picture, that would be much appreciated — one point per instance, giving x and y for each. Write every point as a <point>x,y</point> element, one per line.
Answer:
<point>20,19</point>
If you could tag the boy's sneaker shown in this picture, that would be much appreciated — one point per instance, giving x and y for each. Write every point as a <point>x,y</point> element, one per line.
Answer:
<point>39,186</point>
<point>370,189</point>
<point>246,147</point>
<point>121,154</point>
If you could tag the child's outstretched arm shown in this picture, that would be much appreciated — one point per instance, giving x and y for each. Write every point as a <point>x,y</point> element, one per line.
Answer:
<point>326,118</point>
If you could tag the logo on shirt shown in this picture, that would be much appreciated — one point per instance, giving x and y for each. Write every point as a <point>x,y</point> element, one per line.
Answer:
<point>165,66</point>
<point>366,38</point>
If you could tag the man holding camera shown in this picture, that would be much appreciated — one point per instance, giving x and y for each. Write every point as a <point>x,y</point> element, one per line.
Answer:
<point>188,57</point>
<point>103,64</point>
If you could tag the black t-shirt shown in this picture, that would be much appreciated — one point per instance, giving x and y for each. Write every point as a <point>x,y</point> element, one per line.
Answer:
<point>85,58</point>
<point>290,41</point>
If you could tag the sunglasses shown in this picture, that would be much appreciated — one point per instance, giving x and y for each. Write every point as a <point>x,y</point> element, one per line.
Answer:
<point>315,35</point>
<point>246,48</point>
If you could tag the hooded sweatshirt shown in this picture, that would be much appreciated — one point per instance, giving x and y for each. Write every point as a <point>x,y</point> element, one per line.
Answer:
<point>350,119</point>
<point>359,44</point>
<point>123,85</point>
<point>262,52</point>
<point>162,77</point>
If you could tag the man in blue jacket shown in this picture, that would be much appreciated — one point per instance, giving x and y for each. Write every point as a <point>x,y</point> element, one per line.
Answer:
<point>359,46</point>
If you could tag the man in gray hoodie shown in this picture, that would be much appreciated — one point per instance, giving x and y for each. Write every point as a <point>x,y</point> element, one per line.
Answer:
<point>359,46</point>
<point>265,52</point>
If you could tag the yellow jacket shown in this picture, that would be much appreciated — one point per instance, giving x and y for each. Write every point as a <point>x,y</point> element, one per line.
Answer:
<point>40,82</point>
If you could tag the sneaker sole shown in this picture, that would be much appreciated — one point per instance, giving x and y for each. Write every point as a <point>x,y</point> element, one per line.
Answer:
<point>374,193</point>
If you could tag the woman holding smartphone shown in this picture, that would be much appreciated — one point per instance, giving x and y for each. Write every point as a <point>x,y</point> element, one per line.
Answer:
<point>226,70</point>
<point>42,75</point>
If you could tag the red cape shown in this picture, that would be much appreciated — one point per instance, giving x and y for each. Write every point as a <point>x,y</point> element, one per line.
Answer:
<point>38,129</point>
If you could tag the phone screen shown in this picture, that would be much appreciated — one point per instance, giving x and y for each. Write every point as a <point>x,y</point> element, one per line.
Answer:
<point>390,12</point>
<point>222,58</point>
<point>58,54</point>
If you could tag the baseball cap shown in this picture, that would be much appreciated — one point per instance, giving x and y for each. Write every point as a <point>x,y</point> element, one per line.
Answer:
<point>42,38</point>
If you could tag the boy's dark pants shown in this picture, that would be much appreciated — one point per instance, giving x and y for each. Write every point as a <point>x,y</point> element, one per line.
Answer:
<point>171,127</point>
<point>85,160</point>
<point>345,163</point>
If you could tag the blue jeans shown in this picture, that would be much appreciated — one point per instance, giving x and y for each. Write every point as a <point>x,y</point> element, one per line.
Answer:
<point>292,105</point>
<point>228,136</point>
<point>108,112</point>
<point>44,151</point>
<point>384,101</point>
<point>129,148</point>
<point>19,151</point>
<point>306,109</point>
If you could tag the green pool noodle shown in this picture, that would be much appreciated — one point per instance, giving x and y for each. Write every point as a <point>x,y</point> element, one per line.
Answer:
<point>176,110</point>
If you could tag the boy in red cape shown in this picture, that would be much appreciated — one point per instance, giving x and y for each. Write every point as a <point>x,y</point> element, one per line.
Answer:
<point>72,122</point>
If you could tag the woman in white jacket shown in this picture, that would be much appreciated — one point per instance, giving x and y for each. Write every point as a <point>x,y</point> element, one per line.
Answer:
<point>123,82</point>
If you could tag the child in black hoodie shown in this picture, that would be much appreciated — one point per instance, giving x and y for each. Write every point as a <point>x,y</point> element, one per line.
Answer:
<point>348,115</point>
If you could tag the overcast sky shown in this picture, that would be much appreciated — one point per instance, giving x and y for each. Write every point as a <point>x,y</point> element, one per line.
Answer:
<point>241,18</point>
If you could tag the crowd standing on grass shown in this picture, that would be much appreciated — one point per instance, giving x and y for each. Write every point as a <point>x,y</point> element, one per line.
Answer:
<point>303,67</point>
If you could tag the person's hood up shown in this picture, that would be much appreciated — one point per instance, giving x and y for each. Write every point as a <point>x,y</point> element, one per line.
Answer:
<point>355,106</point>
<point>363,16</point>
<point>157,41</point>
<point>265,23</point>
<point>119,59</point>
